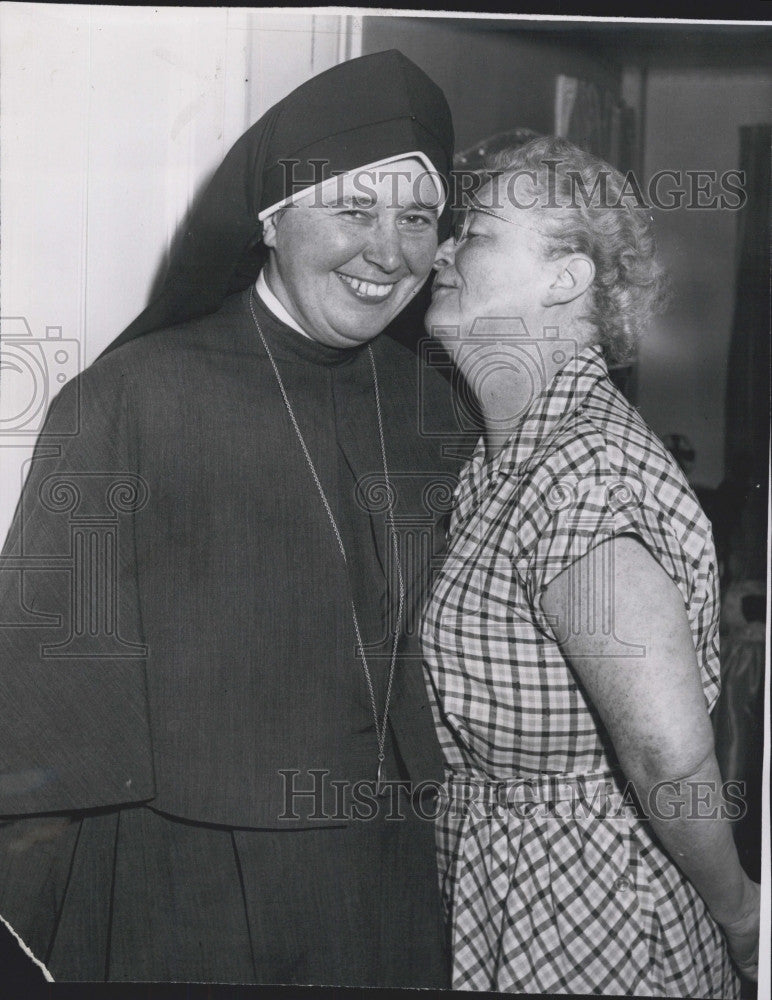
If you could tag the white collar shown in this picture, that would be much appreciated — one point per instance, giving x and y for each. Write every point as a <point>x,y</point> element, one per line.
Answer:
<point>273,305</point>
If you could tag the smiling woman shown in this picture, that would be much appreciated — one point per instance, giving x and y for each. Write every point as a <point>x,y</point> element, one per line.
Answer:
<point>344,265</point>
<point>254,633</point>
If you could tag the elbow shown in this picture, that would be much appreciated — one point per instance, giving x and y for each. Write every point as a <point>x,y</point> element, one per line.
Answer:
<point>670,763</point>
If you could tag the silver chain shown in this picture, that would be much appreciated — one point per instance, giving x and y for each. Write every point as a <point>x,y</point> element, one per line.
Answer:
<point>380,729</point>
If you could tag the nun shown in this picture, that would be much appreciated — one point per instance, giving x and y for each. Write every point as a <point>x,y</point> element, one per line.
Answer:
<point>208,679</point>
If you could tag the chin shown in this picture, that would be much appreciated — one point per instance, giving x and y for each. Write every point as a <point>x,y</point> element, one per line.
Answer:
<point>437,316</point>
<point>354,337</point>
<point>363,332</point>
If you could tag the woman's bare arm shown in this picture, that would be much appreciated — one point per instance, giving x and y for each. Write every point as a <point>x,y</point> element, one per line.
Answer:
<point>655,712</point>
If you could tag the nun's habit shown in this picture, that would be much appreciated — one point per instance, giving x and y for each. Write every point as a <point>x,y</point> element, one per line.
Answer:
<point>177,650</point>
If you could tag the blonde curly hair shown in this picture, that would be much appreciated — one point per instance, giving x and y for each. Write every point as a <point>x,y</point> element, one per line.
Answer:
<point>588,210</point>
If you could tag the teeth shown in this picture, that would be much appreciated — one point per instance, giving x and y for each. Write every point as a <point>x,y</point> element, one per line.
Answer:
<point>367,289</point>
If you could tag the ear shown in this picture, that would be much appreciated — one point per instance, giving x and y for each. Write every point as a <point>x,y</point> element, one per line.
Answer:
<point>572,277</point>
<point>269,230</point>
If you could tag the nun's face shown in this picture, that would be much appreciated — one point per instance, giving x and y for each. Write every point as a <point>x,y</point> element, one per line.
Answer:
<point>345,263</point>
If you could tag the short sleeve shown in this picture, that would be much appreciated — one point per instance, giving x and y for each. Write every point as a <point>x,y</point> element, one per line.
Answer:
<point>578,514</point>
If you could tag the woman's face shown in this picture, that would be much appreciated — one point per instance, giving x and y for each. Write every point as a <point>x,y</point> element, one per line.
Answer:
<point>496,271</point>
<point>344,264</point>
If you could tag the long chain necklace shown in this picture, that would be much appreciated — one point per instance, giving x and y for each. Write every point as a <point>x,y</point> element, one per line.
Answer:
<point>380,728</point>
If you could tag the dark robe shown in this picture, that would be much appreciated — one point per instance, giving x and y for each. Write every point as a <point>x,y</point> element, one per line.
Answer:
<point>178,652</point>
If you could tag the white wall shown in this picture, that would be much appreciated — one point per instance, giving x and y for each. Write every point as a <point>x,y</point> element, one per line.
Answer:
<point>112,118</point>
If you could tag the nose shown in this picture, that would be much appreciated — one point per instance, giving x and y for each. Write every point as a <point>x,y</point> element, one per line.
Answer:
<point>384,250</point>
<point>446,253</point>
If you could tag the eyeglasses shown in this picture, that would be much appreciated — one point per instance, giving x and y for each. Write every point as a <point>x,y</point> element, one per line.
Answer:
<point>464,217</point>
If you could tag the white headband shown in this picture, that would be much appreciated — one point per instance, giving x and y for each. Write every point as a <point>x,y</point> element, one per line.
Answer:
<point>332,182</point>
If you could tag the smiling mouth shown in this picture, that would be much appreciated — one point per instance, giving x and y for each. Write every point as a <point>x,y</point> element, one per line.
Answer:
<point>368,291</point>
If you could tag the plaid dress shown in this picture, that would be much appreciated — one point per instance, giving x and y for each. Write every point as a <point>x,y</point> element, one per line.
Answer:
<point>551,877</point>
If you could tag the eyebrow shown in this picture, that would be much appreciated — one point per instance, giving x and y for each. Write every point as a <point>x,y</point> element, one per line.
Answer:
<point>351,201</point>
<point>473,215</point>
<point>480,211</point>
<point>422,206</point>
<point>365,201</point>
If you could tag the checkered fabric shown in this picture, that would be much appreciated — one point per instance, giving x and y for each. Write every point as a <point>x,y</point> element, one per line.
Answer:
<point>555,887</point>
